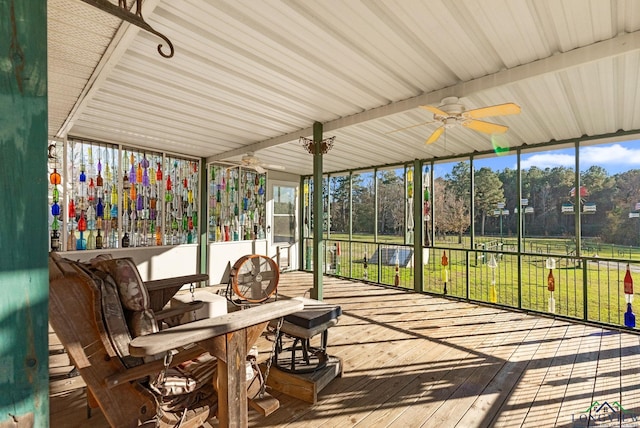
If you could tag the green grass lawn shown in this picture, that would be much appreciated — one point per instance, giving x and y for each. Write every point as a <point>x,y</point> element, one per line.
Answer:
<point>602,282</point>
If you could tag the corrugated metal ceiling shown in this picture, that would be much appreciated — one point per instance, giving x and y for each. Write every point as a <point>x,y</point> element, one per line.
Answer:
<point>255,76</point>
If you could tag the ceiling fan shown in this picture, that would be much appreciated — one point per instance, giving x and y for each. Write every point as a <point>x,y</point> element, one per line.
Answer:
<point>452,112</point>
<point>250,160</point>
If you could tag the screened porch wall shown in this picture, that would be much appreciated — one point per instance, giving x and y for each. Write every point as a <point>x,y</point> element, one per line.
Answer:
<point>509,230</point>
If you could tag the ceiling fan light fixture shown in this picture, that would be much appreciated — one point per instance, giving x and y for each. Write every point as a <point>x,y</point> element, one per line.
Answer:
<point>450,122</point>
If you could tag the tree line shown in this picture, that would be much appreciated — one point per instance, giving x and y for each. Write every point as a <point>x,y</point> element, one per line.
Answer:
<point>547,191</point>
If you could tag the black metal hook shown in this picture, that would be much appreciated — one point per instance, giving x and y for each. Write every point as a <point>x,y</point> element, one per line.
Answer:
<point>133,18</point>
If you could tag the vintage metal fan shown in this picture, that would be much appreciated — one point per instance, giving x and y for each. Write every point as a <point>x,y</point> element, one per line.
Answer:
<point>254,278</point>
<point>452,112</point>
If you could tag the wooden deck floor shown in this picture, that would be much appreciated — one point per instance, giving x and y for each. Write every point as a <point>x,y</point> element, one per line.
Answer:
<point>412,360</point>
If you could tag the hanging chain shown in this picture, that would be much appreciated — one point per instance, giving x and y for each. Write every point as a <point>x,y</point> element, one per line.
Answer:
<point>192,289</point>
<point>158,411</point>
<point>263,387</point>
<point>168,357</point>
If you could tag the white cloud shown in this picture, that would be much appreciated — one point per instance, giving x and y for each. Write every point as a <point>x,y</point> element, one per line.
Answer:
<point>548,160</point>
<point>613,154</point>
<point>613,158</point>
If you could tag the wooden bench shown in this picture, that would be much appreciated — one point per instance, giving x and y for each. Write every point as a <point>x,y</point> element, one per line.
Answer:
<point>162,290</point>
<point>76,315</point>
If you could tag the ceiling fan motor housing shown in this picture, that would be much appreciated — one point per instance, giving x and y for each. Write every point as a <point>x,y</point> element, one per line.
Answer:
<point>249,159</point>
<point>452,106</point>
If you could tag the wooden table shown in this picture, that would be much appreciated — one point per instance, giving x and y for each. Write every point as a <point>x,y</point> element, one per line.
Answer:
<point>227,337</point>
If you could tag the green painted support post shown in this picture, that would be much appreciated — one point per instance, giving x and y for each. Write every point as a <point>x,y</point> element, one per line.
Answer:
<point>203,219</point>
<point>301,229</point>
<point>520,235</point>
<point>350,224</point>
<point>577,202</point>
<point>472,231</point>
<point>318,243</point>
<point>418,198</point>
<point>24,273</point>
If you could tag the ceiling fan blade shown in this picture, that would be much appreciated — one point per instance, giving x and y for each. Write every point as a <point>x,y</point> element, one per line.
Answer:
<point>409,127</point>
<point>486,127</point>
<point>436,134</point>
<point>259,169</point>
<point>435,110</point>
<point>230,167</point>
<point>271,166</point>
<point>497,110</point>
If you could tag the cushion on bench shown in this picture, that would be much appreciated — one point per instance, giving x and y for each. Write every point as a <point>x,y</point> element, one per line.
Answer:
<point>314,314</point>
<point>133,294</point>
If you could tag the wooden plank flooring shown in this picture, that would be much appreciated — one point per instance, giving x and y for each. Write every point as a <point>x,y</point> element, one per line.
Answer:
<point>412,360</point>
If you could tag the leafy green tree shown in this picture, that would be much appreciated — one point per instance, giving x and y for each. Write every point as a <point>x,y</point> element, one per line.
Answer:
<point>600,187</point>
<point>508,177</point>
<point>363,194</point>
<point>339,203</point>
<point>488,191</point>
<point>533,181</point>
<point>621,229</point>
<point>546,191</point>
<point>595,179</point>
<point>459,181</point>
<point>391,202</point>
<point>550,190</point>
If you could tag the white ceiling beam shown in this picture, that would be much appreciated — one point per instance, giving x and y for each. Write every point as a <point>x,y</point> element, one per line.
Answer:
<point>616,46</point>
<point>118,45</point>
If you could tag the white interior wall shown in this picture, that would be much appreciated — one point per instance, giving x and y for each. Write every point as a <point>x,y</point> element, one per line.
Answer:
<point>152,262</point>
<point>222,255</point>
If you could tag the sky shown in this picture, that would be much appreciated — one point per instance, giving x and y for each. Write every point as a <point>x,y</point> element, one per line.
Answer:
<point>614,158</point>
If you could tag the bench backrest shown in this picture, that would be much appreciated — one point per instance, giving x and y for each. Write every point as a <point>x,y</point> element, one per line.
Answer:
<point>76,315</point>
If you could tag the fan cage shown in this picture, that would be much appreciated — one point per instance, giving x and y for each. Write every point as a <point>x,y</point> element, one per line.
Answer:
<point>254,278</point>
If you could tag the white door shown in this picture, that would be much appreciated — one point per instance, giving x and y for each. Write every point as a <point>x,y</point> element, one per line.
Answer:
<point>282,228</point>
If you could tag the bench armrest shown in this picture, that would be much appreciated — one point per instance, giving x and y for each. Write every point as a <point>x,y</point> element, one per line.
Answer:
<point>152,368</point>
<point>178,311</point>
<point>160,284</point>
<point>162,290</point>
<point>198,331</point>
